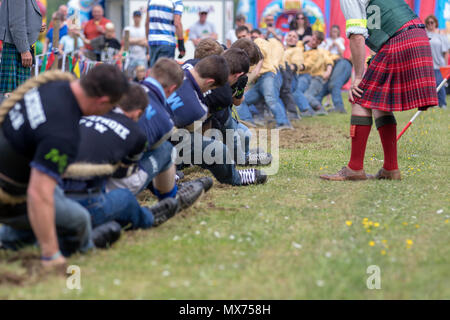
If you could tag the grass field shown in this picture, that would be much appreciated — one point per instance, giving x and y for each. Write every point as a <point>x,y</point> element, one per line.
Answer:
<point>296,237</point>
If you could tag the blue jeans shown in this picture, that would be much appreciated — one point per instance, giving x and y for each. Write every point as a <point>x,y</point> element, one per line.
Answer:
<point>160,51</point>
<point>299,85</point>
<point>118,205</point>
<point>442,94</point>
<point>242,136</point>
<point>315,87</point>
<point>267,87</point>
<point>73,227</point>
<point>156,161</point>
<point>200,147</point>
<point>342,72</point>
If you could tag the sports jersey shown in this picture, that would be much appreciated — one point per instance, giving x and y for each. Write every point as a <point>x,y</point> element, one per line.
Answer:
<point>107,139</point>
<point>43,130</point>
<point>188,103</point>
<point>161,16</point>
<point>156,122</point>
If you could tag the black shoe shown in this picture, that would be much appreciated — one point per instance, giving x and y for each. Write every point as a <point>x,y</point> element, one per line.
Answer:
<point>164,210</point>
<point>207,183</point>
<point>106,234</point>
<point>188,193</point>
<point>258,159</point>
<point>252,176</point>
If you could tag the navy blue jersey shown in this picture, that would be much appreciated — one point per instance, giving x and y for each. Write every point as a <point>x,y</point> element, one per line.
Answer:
<point>43,129</point>
<point>156,122</point>
<point>188,103</point>
<point>190,64</point>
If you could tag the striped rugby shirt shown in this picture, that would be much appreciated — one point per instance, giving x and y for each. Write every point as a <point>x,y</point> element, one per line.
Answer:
<point>161,26</point>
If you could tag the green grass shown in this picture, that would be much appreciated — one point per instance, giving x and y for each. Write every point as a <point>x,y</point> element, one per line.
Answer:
<point>289,239</point>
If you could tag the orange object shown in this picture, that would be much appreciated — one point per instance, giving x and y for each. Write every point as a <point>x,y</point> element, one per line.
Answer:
<point>445,72</point>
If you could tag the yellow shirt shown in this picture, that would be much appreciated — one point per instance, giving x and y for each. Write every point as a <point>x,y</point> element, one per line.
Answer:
<point>294,56</point>
<point>317,61</point>
<point>266,50</point>
<point>277,52</point>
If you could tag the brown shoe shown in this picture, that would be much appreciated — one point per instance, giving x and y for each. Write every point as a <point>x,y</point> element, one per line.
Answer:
<point>383,174</point>
<point>346,174</point>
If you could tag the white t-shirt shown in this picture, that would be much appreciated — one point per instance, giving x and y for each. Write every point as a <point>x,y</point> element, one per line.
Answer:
<point>69,44</point>
<point>137,52</point>
<point>327,45</point>
<point>231,35</point>
<point>201,31</point>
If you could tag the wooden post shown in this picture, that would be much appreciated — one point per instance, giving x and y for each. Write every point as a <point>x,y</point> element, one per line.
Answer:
<point>126,44</point>
<point>55,42</point>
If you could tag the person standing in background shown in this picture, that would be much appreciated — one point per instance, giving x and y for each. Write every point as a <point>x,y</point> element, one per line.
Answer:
<point>20,25</point>
<point>162,24</point>
<point>231,35</point>
<point>138,44</point>
<point>202,29</point>
<point>95,28</point>
<point>301,25</point>
<point>439,49</point>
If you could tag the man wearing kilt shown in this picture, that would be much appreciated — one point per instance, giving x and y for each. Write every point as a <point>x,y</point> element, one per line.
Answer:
<point>400,77</point>
<point>20,25</point>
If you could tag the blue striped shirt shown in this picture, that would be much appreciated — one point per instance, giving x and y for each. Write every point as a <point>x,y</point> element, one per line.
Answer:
<point>161,25</point>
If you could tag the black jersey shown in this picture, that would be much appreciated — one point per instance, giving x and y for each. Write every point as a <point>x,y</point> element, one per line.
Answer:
<point>42,129</point>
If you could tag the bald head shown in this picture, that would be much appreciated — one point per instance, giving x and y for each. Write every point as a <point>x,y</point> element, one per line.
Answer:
<point>97,12</point>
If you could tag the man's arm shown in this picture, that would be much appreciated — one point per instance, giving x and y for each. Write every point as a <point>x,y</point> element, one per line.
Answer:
<point>179,33</point>
<point>358,49</point>
<point>18,29</point>
<point>41,213</point>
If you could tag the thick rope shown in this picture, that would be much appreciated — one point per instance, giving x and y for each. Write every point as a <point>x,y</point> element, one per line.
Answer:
<point>31,83</point>
<point>89,170</point>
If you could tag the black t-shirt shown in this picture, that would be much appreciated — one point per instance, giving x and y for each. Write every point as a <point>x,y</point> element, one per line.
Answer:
<point>111,138</point>
<point>107,139</point>
<point>308,32</point>
<point>43,128</point>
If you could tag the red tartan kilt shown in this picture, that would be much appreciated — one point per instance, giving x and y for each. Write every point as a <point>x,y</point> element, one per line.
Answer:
<point>401,76</point>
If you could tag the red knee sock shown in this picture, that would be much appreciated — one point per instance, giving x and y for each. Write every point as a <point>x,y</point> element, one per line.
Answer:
<point>359,134</point>
<point>388,135</point>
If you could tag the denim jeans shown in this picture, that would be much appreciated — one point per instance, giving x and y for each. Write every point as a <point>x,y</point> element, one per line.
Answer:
<point>118,205</point>
<point>286,93</point>
<point>73,226</point>
<point>315,87</point>
<point>160,51</point>
<point>203,151</point>
<point>152,163</point>
<point>342,72</point>
<point>242,136</point>
<point>299,85</point>
<point>267,88</point>
<point>442,94</point>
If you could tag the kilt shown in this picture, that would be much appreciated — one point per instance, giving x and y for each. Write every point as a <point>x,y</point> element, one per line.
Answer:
<point>400,76</point>
<point>12,73</point>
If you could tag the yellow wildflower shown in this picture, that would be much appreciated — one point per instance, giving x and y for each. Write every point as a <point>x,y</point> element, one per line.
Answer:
<point>348,223</point>
<point>371,243</point>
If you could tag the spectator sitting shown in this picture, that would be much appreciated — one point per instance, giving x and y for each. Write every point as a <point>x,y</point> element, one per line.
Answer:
<point>67,43</point>
<point>107,47</point>
<point>138,43</point>
<point>335,44</point>
<point>94,28</point>
<point>232,34</point>
<point>270,31</point>
<point>301,25</point>
<point>202,29</point>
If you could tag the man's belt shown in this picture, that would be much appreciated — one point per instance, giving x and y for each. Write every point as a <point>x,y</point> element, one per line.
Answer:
<point>86,192</point>
<point>414,26</point>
